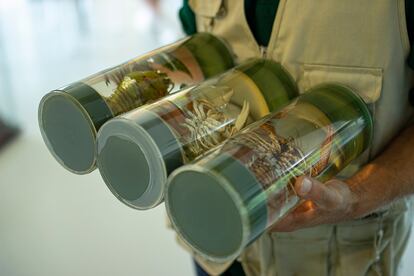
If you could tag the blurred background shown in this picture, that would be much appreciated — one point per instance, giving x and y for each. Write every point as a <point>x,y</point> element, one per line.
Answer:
<point>53,222</point>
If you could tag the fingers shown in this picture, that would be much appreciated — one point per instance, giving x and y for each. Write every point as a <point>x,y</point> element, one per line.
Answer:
<point>325,196</point>
<point>322,203</point>
<point>303,216</point>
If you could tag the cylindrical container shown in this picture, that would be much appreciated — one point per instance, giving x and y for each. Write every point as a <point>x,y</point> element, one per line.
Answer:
<point>138,150</point>
<point>70,117</point>
<point>225,200</point>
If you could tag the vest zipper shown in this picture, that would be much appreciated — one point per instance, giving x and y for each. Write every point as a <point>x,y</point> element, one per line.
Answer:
<point>263,51</point>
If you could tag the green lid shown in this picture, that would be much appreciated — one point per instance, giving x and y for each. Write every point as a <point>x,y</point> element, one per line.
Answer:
<point>134,157</point>
<point>275,83</point>
<point>204,213</point>
<point>211,53</point>
<point>207,206</point>
<point>68,122</point>
<point>341,103</point>
<point>124,166</point>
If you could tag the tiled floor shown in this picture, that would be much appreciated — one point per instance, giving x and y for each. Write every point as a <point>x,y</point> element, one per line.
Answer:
<point>53,222</point>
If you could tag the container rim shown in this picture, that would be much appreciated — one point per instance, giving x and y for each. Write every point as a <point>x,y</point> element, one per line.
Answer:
<point>87,117</point>
<point>237,200</point>
<point>127,129</point>
<point>354,94</point>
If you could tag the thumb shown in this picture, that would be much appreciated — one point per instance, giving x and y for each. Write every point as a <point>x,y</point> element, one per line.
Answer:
<point>324,196</point>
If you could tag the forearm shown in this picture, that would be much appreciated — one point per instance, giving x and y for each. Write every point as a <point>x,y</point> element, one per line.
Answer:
<point>388,177</point>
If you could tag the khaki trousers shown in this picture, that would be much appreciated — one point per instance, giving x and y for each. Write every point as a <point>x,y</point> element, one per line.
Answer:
<point>368,246</point>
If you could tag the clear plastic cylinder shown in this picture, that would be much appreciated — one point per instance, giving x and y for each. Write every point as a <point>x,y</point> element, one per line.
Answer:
<point>138,150</point>
<point>70,117</point>
<point>227,199</point>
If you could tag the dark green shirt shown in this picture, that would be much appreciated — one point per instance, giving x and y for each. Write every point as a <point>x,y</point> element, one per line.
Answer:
<point>260,15</point>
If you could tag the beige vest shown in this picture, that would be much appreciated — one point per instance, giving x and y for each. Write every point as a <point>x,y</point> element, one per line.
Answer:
<point>363,44</point>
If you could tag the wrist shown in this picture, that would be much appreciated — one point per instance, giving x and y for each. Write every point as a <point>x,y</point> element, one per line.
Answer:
<point>357,208</point>
<point>367,191</point>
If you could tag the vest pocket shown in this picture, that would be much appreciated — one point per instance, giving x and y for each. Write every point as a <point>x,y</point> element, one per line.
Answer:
<point>372,246</point>
<point>356,244</point>
<point>303,252</point>
<point>366,81</point>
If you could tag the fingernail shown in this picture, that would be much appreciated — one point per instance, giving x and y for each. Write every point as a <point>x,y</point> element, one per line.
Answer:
<point>306,186</point>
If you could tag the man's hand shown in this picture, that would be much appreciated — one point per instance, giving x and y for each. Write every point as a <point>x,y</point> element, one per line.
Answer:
<point>387,178</point>
<point>323,204</point>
